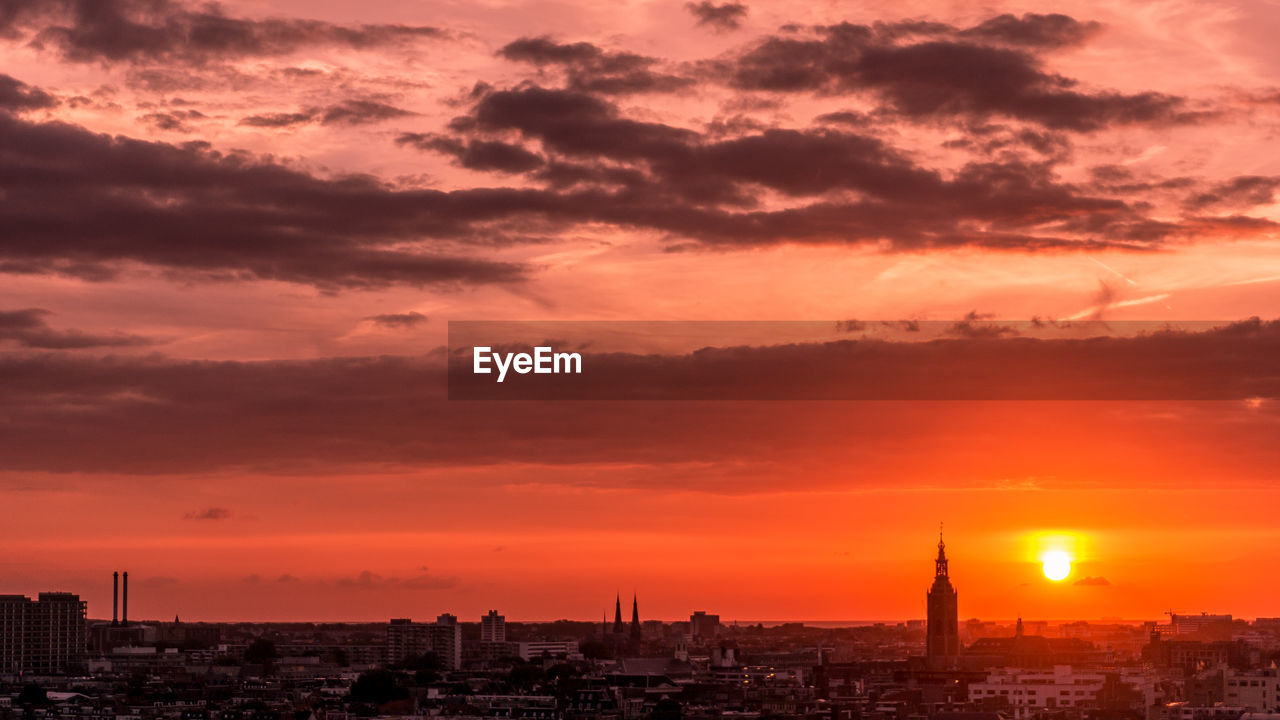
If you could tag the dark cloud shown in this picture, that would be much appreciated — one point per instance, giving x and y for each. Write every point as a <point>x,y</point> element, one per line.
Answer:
<point>942,73</point>
<point>213,513</point>
<point>278,120</point>
<point>164,31</point>
<point>367,580</point>
<point>591,69</point>
<point>846,117</point>
<point>17,95</point>
<point>1093,581</point>
<point>346,112</point>
<point>940,79</point>
<point>1245,191</point>
<point>359,112</point>
<point>723,16</point>
<point>28,329</point>
<point>398,320</point>
<point>82,204</point>
<point>698,181</point>
<point>174,120</point>
<point>1034,30</point>
<point>476,154</point>
<point>702,188</point>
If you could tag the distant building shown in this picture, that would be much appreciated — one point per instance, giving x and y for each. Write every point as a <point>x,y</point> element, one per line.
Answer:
<point>1026,693</point>
<point>1256,690</point>
<point>406,639</point>
<point>443,638</point>
<point>48,635</point>
<point>547,648</point>
<point>1031,651</point>
<point>1203,626</point>
<point>702,625</point>
<point>1191,656</point>
<point>446,641</point>
<point>942,633</point>
<point>493,628</point>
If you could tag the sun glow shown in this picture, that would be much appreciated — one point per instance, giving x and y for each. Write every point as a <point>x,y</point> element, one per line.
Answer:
<point>1057,565</point>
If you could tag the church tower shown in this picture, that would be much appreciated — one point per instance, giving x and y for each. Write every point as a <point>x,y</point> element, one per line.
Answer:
<point>942,642</point>
<point>635,622</point>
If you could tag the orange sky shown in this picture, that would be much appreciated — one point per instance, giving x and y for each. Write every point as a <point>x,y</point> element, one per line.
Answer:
<point>180,306</point>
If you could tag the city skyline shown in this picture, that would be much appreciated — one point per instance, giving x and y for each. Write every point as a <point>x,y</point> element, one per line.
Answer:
<point>233,237</point>
<point>940,611</point>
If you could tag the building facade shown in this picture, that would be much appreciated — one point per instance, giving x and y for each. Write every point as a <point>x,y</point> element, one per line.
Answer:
<point>493,628</point>
<point>47,635</point>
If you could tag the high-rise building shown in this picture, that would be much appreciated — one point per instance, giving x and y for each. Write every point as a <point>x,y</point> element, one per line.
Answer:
<point>702,625</point>
<point>493,628</point>
<point>942,633</point>
<point>443,638</point>
<point>446,641</point>
<point>49,635</point>
<point>406,639</point>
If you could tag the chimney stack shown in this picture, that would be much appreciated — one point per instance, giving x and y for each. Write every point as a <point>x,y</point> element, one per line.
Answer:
<point>115,598</point>
<point>124,600</point>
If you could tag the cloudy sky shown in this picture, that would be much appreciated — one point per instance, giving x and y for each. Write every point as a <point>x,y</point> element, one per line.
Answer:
<point>232,236</point>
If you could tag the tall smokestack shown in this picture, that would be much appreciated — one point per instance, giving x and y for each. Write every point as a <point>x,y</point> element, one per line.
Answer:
<point>115,598</point>
<point>124,600</point>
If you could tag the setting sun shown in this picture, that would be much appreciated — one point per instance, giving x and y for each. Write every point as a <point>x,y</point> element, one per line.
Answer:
<point>1057,565</point>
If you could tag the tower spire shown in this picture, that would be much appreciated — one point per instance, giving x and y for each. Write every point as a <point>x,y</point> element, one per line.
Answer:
<point>942,631</point>
<point>940,569</point>
<point>635,620</point>
<point>617,614</point>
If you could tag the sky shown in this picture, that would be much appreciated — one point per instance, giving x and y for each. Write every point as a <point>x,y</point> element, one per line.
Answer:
<point>232,237</point>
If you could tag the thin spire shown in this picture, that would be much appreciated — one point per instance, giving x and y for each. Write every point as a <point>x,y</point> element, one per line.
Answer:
<point>635,619</point>
<point>941,562</point>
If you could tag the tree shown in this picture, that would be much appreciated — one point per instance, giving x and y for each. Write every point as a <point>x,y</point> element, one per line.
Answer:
<point>666,709</point>
<point>33,695</point>
<point>525,675</point>
<point>595,650</point>
<point>261,651</point>
<point>377,687</point>
<point>426,662</point>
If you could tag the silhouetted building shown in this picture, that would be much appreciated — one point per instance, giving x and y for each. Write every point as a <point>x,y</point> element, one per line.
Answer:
<point>406,639</point>
<point>942,639</point>
<point>446,641</point>
<point>702,625</point>
<point>1031,651</point>
<point>1191,656</point>
<point>48,635</point>
<point>493,628</point>
<point>186,635</point>
<point>443,638</point>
